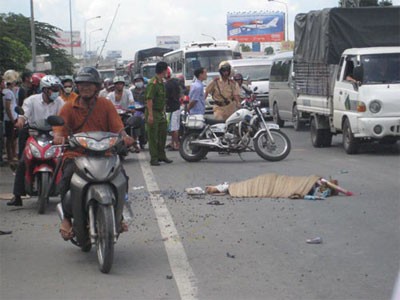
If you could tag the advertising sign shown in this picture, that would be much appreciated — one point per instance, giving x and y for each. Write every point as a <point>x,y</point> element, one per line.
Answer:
<point>256,27</point>
<point>114,54</point>
<point>169,41</point>
<point>63,38</point>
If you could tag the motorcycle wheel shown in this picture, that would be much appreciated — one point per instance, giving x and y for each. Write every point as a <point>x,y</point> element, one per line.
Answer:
<point>272,151</point>
<point>43,187</point>
<point>105,237</point>
<point>192,153</point>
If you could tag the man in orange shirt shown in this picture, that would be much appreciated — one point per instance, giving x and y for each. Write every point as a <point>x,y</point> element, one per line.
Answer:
<point>67,93</point>
<point>87,112</point>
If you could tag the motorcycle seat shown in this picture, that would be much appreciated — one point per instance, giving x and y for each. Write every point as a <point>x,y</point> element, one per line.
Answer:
<point>212,121</point>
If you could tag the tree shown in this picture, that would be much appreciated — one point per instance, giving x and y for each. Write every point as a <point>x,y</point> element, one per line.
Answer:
<point>13,55</point>
<point>245,48</point>
<point>269,50</point>
<point>17,27</point>
<point>364,3</point>
<point>386,3</point>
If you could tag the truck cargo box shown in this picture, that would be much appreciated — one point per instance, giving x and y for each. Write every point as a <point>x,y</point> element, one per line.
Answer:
<point>322,36</point>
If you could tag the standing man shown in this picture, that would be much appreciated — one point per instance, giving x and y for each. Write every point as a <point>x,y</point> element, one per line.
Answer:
<point>225,93</point>
<point>36,107</point>
<point>25,90</point>
<point>197,101</point>
<point>173,93</point>
<point>67,93</point>
<point>155,116</point>
<point>138,91</point>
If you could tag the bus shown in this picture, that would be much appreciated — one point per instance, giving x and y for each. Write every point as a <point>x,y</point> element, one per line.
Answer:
<point>201,54</point>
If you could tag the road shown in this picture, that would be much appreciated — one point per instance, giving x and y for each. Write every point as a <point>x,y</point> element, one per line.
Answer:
<point>179,247</point>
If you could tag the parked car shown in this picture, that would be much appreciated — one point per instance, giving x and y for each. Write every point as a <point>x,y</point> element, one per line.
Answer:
<point>256,72</point>
<point>282,91</point>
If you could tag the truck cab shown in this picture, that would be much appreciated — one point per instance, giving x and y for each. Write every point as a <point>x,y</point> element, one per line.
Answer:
<point>365,104</point>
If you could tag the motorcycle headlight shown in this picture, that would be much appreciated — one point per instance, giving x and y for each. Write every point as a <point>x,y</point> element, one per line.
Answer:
<point>375,106</point>
<point>35,151</point>
<point>95,145</point>
<point>50,152</point>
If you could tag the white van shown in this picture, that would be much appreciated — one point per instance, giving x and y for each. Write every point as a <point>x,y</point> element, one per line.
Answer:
<point>282,92</point>
<point>256,71</point>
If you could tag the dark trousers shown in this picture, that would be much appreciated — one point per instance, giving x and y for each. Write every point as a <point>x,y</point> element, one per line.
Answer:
<point>23,136</point>
<point>19,180</point>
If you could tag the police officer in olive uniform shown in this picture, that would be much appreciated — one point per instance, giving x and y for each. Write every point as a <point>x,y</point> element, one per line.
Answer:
<point>155,116</point>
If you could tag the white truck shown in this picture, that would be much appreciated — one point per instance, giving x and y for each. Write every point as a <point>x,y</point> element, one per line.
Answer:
<point>347,72</point>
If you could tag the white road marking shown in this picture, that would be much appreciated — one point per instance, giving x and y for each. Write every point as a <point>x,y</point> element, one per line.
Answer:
<point>180,267</point>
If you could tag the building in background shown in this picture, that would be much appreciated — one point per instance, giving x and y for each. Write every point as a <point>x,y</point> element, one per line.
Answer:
<point>64,42</point>
<point>169,41</point>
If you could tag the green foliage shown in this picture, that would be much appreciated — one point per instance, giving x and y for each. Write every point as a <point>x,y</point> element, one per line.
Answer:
<point>245,48</point>
<point>17,27</point>
<point>385,3</point>
<point>269,50</point>
<point>364,3</point>
<point>13,55</point>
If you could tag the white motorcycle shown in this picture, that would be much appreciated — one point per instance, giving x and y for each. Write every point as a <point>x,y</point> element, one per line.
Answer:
<point>245,130</point>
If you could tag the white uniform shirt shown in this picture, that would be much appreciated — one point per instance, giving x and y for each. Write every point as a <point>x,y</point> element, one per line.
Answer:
<point>36,109</point>
<point>125,101</point>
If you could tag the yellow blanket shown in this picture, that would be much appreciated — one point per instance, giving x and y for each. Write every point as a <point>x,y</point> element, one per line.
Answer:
<point>274,186</point>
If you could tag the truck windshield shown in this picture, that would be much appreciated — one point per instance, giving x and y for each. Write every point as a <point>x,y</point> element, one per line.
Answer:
<point>206,59</point>
<point>381,68</point>
<point>149,71</point>
<point>254,73</point>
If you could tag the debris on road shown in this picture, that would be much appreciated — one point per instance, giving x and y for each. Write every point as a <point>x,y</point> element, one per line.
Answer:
<point>215,202</point>
<point>230,255</point>
<point>135,188</point>
<point>195,191</point>
<point>4,232</point>
<point>169,276</point>
<point>317,240</point>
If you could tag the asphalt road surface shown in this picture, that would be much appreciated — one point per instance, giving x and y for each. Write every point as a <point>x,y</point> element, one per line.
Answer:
<point>180,247</point>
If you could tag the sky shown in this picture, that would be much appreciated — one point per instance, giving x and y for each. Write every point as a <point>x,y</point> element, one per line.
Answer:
<point>138,22</point>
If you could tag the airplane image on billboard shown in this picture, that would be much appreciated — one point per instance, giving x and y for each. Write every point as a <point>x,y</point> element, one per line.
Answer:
<point>256,27</point>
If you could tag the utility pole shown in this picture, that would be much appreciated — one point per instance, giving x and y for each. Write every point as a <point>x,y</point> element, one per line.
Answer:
<point>33,39</point>
<point>70,28</point>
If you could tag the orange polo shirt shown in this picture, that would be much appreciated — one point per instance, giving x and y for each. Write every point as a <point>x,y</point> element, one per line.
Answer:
<point>69,98</point>
<point>104,117</point>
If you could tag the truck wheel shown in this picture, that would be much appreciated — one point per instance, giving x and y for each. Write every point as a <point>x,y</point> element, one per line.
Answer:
<point>350,143</point>
<point>275,116</point>
<point>297,124</point>
<point>317,135</point>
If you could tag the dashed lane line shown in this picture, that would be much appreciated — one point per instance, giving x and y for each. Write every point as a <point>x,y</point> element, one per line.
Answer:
<point>180,267</point>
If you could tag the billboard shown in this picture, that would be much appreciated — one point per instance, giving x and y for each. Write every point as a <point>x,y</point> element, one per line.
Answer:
<point>169,41</point>
<point>256,27</point>
<point>63,38</point>
<point>114,54</point>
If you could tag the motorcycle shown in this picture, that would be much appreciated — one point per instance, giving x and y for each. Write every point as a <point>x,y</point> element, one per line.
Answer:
<point>244,129</point>
<point>41,159</point>
<point>134,126</point>
<point>97,193</point>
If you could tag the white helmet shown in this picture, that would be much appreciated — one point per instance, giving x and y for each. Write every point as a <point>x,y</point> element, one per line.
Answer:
<point>119,79</point>
<point>10,76</point>
<point>48,81</point>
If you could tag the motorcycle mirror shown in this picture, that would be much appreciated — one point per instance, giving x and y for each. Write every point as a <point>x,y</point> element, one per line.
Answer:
<point>19,110</point>
<point>55,120</point>
<point>255,89</point>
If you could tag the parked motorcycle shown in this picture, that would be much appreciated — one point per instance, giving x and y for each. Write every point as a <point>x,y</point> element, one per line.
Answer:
<point>244,129</point>
<point>134,126</point>
<point>40,158</point>
<point>97,194</point>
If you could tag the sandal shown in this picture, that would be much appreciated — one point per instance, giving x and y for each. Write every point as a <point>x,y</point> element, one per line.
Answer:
<point>66,230</point>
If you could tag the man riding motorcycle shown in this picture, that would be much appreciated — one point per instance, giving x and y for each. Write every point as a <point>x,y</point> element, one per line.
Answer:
<point>244,89</point>
<point>138,92</point>
<point>225,93</point>
<point>86,113</point>
<point>36,107</point>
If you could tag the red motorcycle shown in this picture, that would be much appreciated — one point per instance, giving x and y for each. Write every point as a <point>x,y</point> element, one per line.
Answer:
<point>41,161</point>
